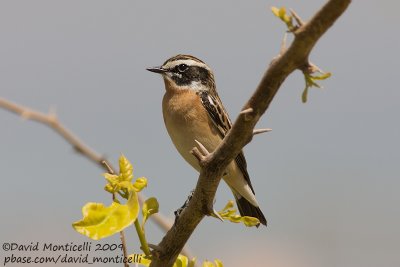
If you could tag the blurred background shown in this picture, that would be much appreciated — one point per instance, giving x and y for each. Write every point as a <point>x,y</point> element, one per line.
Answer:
<point>326,177</point>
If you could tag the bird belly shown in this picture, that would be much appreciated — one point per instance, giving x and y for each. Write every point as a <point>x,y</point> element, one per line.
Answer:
<point>183,135</point>
<point>186,123</point>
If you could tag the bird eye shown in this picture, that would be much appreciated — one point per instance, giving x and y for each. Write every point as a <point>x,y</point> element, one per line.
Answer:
<point>182,67</point>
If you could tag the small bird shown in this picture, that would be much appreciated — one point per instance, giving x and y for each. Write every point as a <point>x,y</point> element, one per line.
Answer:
<point>192,111</point>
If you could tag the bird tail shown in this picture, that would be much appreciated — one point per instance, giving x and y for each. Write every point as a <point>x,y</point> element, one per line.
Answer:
<point>247,209</point>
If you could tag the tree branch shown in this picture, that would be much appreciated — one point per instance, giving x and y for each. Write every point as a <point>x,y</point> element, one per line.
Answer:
<point>214,164</point>
<point>52,121</point>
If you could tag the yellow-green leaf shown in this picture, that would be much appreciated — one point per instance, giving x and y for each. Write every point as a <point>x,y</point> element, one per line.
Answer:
<point>235,218</point>
<point>275,10</point>
<point>229,213</point>
<point>288,20</point>
<point>139,258</point>
<point>111,178</point>
<point>125,169</point>
<point>150,206</point>
<point>282,15</point>
<point>322,76</point>
<point>282,12</point>
<point>109,188</point>
<point>140,183</point>
<point>229,205</point>
<point>310,82</point>
<point>181,261</point>
<point>192,262</point>
<point>250,221</point>
<point>126,185</point>
<point>304,95</point>
<point>99,221</point>
<point>218,263</point>
<point>208,264</point>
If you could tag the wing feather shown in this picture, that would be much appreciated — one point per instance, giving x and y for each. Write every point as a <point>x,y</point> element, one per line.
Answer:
<point>221,120</point>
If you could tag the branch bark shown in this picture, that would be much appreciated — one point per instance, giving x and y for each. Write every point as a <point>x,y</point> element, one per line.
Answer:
<point>214,164</point>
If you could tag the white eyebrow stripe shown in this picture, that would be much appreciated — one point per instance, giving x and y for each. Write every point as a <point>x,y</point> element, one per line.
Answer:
<point>189,62</point>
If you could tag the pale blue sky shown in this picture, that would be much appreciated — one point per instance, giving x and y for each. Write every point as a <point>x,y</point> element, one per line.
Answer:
<point>326,177</point>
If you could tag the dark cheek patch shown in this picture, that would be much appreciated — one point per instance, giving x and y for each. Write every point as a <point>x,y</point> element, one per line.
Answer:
<point>192,74</point>
<point>204,76</point>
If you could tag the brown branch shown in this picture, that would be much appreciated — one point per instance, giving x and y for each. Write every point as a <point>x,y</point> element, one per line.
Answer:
<point>214,164</point>
<point>52,121</point>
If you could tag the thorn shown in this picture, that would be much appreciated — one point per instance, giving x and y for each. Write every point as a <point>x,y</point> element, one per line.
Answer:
<point>314,68</point>
<point>197,154</point>
<point>246,111</point>
<point>156,247</point>
<point>299,21</point>
<point>311,68</point>
<point>216,214</point>
<point>260,131</point>
<point>203,150</point>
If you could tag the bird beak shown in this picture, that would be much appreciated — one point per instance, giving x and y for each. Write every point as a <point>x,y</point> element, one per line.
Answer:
<point>160,70</point>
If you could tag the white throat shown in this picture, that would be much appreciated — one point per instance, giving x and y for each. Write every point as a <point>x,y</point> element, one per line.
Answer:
<point>194,85</point>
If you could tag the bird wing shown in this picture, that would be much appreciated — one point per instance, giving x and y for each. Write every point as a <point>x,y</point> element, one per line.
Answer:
<point>221,120</point>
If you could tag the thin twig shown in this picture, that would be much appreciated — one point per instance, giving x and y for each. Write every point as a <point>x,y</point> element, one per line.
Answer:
<point>124,247</point>
<point>108,167</point>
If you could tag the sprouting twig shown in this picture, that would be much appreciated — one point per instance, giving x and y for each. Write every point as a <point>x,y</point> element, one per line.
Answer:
<point>52,121</point>
<point>108,167</point>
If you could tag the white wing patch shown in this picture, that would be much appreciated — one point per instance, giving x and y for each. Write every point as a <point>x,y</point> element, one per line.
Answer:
<point>211,100</point>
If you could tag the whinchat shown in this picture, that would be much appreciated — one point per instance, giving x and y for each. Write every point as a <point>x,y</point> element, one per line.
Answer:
<point>192,111</point>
